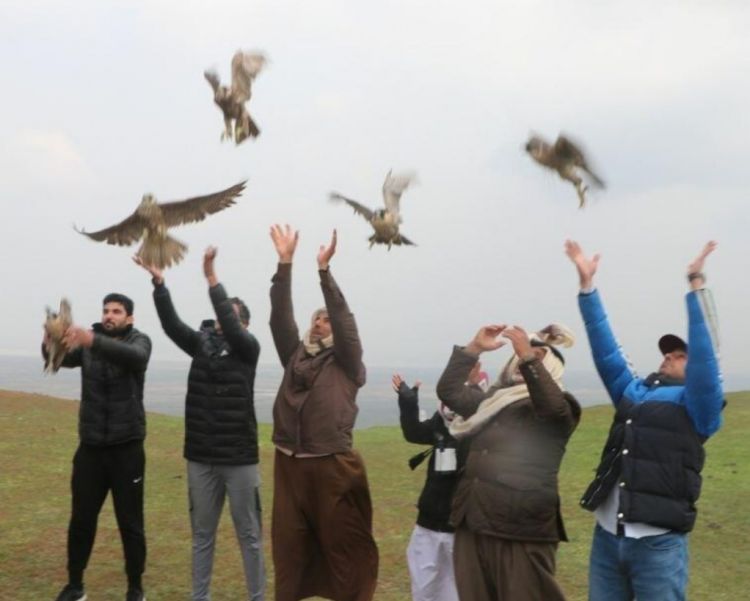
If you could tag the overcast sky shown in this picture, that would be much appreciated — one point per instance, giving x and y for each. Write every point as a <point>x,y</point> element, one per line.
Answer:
<point>104,101</point>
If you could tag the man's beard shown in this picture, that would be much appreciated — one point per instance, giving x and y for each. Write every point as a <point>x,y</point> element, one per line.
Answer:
<point>114,331</point>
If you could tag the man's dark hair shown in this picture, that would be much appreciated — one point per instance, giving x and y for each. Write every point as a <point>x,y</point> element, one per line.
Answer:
<point>244,311</point>
<point>116,297</point>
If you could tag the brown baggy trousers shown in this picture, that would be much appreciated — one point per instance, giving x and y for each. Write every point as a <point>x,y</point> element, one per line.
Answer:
<point>321,529</point>
<point>494,569</point>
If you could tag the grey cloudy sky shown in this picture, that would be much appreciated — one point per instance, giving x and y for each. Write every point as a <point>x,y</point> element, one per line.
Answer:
<point>104,101</point>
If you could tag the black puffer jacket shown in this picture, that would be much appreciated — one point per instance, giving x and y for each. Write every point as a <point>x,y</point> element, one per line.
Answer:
<point>113,371</point>
<point>435,501</point>
<point>220,424</point>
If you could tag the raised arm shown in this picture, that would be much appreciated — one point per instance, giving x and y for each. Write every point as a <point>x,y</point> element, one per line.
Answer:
<point>451,388</point>
<point>347,347</point>
<point>704,396</point>
<point>283,327</point>
<point>236,334</point>
<point>408,403</point>
<point>546,396</point>
<point>178,331</point>
<point>611,362</point>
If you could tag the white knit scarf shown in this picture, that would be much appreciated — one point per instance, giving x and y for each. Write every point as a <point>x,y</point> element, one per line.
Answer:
<point>510,392</point>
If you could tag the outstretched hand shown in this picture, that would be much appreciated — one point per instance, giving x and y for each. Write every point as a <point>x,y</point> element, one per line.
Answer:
<point>486,339</point>
<point>326,252</point>
<point>520,341</point>
<point>586,266</point>
<point>208,265</point>
<point>695,268</point>
<point>397,380</point>
<point>285,240</point>
<point>155,272</point>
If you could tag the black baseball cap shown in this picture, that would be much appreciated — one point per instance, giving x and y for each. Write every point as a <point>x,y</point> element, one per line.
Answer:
<point>670,343</point>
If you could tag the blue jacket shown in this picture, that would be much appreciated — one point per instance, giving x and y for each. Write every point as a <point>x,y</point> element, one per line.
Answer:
<point>701,394</point>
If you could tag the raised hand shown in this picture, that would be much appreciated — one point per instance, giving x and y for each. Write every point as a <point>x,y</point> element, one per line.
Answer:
<point>486,339</point>
<point>76,336</point>
<point>586,266</point>
<point>695,268</point>
<point>520,341</point>
<point>326,252</point>
<point>155,272</point>
<point>285,240</point>
<point>208,265</point>
<point>397,380</point>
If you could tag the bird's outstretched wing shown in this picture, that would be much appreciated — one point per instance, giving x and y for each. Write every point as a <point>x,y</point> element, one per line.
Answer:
<point>212,77</point>
<point>197,209</point>
<point>404,240</point>
<point>393,187</point>
<point>566,150</point>
<point>358,208</point>
<point>126,232</point>
<point>245,66</point>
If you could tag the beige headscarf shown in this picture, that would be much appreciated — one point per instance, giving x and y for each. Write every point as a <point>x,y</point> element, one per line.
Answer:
<point>509,390</point>
<point>313,348</point>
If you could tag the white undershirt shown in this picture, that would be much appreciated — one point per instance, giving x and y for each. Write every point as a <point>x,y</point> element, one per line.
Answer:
<point>607,517</point>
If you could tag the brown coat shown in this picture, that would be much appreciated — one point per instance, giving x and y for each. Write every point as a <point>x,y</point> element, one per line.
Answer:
<point>315,407</point>
<point>509,486</point>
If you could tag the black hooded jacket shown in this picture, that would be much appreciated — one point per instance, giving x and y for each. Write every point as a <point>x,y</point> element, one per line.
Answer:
<point>220,423</point>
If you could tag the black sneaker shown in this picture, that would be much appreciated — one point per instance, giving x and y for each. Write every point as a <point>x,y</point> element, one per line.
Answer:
<point>71,593</point>
<point>135,594</point>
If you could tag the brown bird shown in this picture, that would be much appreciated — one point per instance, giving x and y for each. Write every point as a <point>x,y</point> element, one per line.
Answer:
<point>566,158</point>
<point>231,100</point>
<point>55,326</point>
<point>151,221</point>
<point>385,221</point>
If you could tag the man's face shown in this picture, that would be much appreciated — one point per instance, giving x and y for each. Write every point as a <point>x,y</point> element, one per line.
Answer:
<point>673,365</point>
<point>321,327</point>
<point>114,317</point>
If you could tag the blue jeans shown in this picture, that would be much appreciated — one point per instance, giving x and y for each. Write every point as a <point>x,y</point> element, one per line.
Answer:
<point>652,568</point>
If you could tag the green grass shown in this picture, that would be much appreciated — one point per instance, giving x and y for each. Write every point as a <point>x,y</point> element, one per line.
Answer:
<point>38,438</point>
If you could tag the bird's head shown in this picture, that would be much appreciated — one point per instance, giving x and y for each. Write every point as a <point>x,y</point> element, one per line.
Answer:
<point>148,199</point>
<point>534,145</point>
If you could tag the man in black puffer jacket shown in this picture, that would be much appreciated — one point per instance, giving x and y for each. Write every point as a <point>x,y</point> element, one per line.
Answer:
<point>221,432</point>
<point>113,357</point>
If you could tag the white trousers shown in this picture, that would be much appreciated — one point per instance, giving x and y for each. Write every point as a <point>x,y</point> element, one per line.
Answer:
<point>430,558</point>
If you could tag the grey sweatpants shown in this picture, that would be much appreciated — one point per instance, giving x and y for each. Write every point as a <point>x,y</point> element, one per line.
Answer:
<point>207,486</point>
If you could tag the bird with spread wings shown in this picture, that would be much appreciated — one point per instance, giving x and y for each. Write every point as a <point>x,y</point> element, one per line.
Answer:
<point>238,125</point>
<point>567,159</point>
<point>152,220</point>
<point>385,221</point>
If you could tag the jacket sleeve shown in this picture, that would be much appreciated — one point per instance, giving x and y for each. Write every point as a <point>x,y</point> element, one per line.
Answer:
<point>347,347</point>
<point>132,355</point>
<point>451,388</point>
<point>704,396</point>
<point>241,341</point>
<point>413,430</point>
<point>283,327</point>
<point>180,333</point>
<point>72,359</point>
<point>611,362</point>
<point>548,400</point>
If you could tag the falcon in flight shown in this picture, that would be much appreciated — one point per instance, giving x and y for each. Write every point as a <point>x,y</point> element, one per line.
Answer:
<point>567,159</point>
<point>152,220</point>
<point>385,221</point>
<point>55,326</point>
<point>231,99</point>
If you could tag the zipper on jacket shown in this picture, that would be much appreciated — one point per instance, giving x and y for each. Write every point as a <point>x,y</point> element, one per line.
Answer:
<point>585,501</point>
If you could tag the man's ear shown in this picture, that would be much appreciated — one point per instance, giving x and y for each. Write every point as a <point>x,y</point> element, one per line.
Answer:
<point>129,320</point>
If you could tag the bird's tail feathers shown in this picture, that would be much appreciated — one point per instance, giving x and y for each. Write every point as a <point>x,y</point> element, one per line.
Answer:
<point>595,179</point>
<point>162,254</point>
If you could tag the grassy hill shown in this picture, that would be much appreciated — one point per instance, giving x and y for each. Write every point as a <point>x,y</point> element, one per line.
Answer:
<point>38,438</point>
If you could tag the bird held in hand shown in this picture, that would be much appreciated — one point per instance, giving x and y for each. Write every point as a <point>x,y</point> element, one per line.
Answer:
<point>385,221</point>
<point>152,220</point>
<point>567,159</point>
<point>55,327</point>
<point>238,125</point>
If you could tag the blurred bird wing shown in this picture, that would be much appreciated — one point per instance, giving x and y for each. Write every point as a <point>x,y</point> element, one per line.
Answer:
<point>197,209</point>
<point>245,66</point>
<point>358,208</point>
<point>126,232</point>
<point>405,240</point>
<point>65,314</point>
<point>566,150</point>
<point>212,77</point>
<point>393,187</point>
